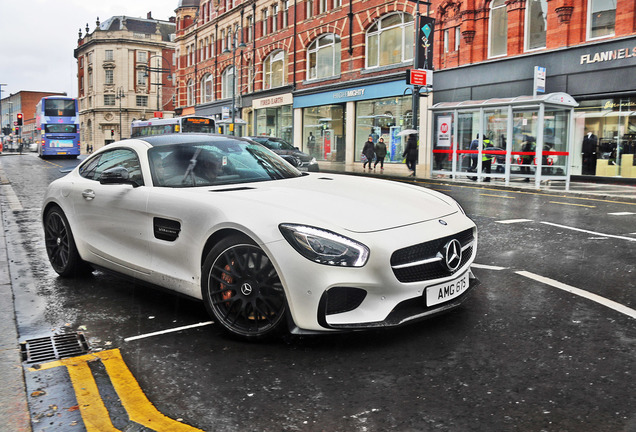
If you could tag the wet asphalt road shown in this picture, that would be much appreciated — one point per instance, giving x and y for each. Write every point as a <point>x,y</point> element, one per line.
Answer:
<point>520,354</point>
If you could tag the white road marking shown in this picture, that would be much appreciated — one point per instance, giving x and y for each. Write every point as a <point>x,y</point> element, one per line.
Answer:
<point>590,232</point>
<point>511,221</point>
<point>176,329</point>
<point>11,197</point>
<point>621,213</point>
<point>582,293</point>
<point>487,267</point>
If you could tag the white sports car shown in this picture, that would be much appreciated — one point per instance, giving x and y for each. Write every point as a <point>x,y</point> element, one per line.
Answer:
<point>266,247</point>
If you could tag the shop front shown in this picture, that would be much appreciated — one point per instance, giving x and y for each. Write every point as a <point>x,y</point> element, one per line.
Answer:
<point>600,76</point>
<point>273,116</point>
<point>524,138</point>
<point>336,124</point>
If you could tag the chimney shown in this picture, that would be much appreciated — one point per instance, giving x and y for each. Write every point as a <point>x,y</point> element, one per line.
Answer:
<point>172,19</point>
<point>149,15</point>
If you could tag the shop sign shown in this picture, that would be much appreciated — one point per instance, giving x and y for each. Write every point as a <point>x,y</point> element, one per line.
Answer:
<point>610,55</point>
<point>273,101</point>
<point>349,93</point>
<point>444,131</point>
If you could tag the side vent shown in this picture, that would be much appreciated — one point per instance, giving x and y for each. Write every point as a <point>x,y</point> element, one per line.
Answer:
<point>166,229</point>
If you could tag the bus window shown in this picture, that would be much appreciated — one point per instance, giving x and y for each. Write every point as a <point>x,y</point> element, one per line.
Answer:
<point>60,128</point>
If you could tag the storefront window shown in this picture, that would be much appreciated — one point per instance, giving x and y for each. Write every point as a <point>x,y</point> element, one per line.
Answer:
<point>324,132</point>
<point>605,137</point>
<point>275,122</point>
<point>383,118</point>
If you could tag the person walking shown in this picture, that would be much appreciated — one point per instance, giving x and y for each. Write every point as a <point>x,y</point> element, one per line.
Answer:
<point>486,158</point>
<point>380,153</point>
<point>410,153</point>
<point>474,145</point>
<point>368,152</point>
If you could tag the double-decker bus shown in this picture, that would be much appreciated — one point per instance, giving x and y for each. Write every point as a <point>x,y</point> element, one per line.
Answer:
<point>160,126</point>
<point>57,124</point>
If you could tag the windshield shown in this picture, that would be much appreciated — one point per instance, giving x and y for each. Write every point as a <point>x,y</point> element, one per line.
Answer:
<point>60,128</point>
<point>59,107</point>
<point>215,163</point>
<point>274,143</point>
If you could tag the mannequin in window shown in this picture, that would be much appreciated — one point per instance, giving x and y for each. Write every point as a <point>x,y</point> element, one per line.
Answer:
<point>590,142</point>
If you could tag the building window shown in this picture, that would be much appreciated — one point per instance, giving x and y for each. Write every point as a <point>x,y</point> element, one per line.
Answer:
<point>207,88</point>
<point>109,55</point>
<point>250,25</point>
<point>274,17</point>
<point>109,100</point>
<point>190,93</point>
<point>458,37</point>
<point>142,56</point>
<point>601,19</point>
<point>142,101</point>
<point>274,70</point>
<point>109,77</point>
<point>536,23</point>
<point>498,29</point>
<point>226,83</point>
<point>446,37</point>
<point>337,3</point>
<point>223,40</point>
<point>264,22</point>
<point>390,40</point>
<point>142,78</point>
<point>324,57</point>
<point>285,7</point>
<point>310,9</point>
<point>322,4</point>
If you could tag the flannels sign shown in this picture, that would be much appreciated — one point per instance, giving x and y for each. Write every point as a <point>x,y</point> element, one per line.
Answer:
<point>610,55</point>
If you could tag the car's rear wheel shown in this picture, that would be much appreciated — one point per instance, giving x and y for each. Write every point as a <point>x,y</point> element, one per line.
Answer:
<point>242,290</point>
<point>60,245</point>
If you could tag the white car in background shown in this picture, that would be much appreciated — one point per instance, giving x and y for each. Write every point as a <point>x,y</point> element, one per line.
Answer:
<point>265,247</point>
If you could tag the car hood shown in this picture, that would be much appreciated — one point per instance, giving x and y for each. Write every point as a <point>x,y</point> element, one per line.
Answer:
<point>356,204</point>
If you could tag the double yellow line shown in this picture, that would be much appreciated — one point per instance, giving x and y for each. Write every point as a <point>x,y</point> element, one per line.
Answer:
<point>94,413</point>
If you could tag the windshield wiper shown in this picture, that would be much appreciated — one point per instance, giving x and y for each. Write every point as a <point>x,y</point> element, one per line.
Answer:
<point>190,169</point>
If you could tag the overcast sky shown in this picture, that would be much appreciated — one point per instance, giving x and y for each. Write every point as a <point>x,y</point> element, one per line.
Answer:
<point>37,38</point>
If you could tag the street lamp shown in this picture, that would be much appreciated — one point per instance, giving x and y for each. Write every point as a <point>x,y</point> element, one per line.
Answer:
<point>120,95</point>
<point>227,51</point>
<point>161,70</point>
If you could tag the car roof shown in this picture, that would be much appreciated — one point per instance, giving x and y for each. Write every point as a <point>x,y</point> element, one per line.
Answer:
<point>189,138</point>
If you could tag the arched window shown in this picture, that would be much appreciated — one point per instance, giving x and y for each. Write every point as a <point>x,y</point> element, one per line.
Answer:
<point>226,83</point>
<point>190,93</point>
<point>274,70</point>
<point>536,23</point>
<point>207,88</point>
<point>498,29</point>
<point>323,57</point>
<point>390,40</point>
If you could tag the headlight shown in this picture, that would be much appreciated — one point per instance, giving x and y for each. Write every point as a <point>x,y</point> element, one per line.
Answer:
<point>325,247</point>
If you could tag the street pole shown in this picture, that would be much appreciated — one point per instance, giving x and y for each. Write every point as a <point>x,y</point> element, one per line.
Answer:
<point>234,47</point>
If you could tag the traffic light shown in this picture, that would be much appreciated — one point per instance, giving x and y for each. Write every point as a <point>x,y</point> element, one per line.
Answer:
<point>112,133</point>
<point>19,118</point>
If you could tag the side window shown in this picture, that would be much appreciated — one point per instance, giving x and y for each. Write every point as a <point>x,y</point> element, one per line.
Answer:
<point>128,159</point>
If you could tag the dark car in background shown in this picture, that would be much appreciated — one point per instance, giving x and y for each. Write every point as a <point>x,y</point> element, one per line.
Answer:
<point>291,154</point>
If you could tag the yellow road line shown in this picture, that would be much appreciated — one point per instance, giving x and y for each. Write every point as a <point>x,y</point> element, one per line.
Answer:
<point>572,204</point>
<point>94,412</point>
<point>498,196</point>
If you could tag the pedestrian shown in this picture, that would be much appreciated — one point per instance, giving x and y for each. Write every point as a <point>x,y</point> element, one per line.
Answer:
<point>474,145</point>
<point>368,152</point>
<point>311,143</point>
<point>410,153</point>
<point>380,153</point>
<point>486,158</point>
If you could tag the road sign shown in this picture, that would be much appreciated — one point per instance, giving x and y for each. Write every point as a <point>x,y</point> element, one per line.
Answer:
<point>419,77</point>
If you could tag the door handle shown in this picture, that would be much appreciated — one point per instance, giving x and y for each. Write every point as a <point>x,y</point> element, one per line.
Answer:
<point>88,194</point>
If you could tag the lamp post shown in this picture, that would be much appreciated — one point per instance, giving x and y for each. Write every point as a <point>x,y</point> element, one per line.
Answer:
<point>120,95</point>
<point>227,51</point>
<point>160,70</point>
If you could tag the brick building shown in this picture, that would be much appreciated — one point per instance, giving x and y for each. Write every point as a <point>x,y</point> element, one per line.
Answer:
<point>326,74</point>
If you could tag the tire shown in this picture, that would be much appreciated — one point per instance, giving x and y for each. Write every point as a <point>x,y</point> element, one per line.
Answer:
<point>60,245</point>
<point>242,291</point>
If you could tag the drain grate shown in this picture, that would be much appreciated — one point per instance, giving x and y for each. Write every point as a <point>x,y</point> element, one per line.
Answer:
<point>53,347</point>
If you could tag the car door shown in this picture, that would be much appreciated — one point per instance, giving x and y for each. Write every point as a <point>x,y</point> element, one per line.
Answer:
<point>113,221</point>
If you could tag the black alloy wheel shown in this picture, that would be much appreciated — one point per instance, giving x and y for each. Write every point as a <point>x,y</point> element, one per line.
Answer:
<point>60,245</point>
<point>242,290</point>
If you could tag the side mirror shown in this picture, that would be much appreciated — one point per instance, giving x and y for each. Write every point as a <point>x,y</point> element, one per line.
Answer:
<point>117,175</point>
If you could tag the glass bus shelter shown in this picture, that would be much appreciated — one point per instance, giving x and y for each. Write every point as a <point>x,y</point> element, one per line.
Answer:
<point>524,138</point>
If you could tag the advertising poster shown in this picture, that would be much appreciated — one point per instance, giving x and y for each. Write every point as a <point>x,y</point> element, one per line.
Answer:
<point>444,131</point>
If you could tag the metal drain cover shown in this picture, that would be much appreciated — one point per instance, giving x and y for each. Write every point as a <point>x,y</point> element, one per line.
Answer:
<point>53,347</point>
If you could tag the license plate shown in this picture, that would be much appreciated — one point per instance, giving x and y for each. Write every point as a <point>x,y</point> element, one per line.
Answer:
<point>447,291</point>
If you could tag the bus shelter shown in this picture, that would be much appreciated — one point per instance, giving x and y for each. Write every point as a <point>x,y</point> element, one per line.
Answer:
<point>526,138</point>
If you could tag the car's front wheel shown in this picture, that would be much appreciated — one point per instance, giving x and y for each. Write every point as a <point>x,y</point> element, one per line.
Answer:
<point>60,245</point>
<point>242,291</point>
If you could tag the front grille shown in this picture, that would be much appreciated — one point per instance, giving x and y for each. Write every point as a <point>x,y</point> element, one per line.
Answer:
<point>53,348</point>
<point>432,268</point>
